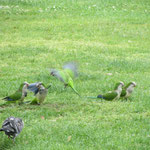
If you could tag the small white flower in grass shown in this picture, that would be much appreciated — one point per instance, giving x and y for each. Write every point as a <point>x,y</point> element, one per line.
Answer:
<point>54,120</point>
<point>26,10</point>
<point>114,8</point>
<point>6,6</point>
<point>40,10</point>
<point>94,5</point>
<point>109,74</point>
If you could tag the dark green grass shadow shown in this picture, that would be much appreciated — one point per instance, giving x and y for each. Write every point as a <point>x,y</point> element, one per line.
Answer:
<point>6,144</point>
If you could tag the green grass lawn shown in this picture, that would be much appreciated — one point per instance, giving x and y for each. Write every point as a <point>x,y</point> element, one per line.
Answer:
<point>103,36</point>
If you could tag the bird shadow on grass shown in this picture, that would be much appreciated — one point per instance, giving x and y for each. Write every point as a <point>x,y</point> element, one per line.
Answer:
<point>44,105</point>
<point>31,106</point>
<point>7,144</point>
<point>3,106</point>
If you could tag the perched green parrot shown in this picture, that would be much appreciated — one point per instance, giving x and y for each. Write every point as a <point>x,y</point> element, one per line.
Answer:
<point>112,95</point>
<point>40,92</point>
<point>128,89</point>
<point>19,95</point>
<point>67,75</point>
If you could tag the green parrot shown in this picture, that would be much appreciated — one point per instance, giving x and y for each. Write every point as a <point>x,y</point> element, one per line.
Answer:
<point>112,95</point>
<point>40,92</point>
<point>19,95</point>
<point>128,89</point>
<point>67,75</point>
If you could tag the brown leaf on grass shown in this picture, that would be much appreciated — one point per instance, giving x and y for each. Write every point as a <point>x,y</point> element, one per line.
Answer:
<point>42,117</point>
<point>69,138</point>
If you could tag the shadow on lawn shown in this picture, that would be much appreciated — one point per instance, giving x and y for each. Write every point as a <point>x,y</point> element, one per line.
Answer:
<point>3,106</point>
<point>32,106</point>
<point>7,144</point>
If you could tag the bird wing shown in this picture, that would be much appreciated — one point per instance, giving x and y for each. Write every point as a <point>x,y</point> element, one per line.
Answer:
<point>59,75</point>
<point>33,88</point>
<point>14,97</point>
<point>71,68</point>
<point>123,93</point>
<point>7,126</point>
<point>127,85</point>
<point>110,96</point>
<point>18,124</point>
<point>13,125</point>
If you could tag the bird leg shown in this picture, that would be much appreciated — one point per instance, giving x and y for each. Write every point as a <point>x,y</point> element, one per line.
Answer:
<point>13,139</point>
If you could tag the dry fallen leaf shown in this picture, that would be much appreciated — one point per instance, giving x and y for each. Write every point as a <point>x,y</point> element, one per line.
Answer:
<point>54,120</point>
<point>109,74</point>
<point>69,138</point>
<point>42,117</point>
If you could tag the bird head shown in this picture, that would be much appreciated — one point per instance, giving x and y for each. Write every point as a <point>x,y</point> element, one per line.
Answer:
<point>39,84</point>
<point>53,72</point>
<point>121,83</point>
<point>26,84</point>
<point>24,88</point>
<point>133,83</point>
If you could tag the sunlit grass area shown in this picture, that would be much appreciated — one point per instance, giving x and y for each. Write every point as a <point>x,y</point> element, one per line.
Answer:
<point>110,40</point>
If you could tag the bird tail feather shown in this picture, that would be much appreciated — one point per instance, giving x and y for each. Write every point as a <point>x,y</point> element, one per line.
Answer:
<point>100,96</point>
<point>8,99</point>
<point>76,91</point>
<point>1,129</point>
<point>91,97</point>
